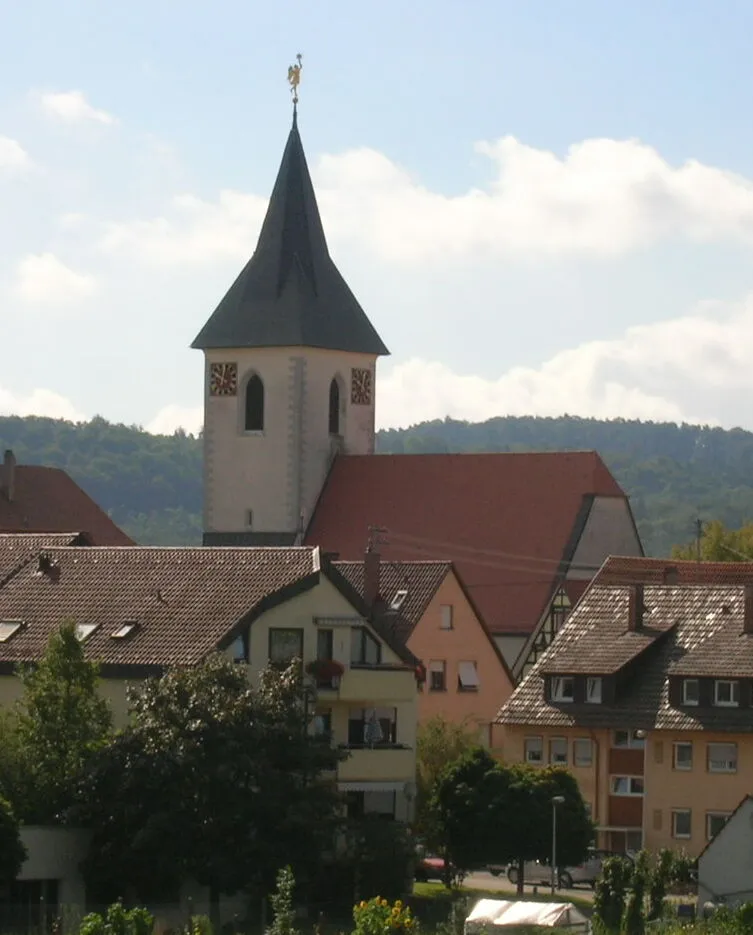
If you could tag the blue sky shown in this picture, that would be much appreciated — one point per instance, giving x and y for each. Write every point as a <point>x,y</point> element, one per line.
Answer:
<point>544,207</point>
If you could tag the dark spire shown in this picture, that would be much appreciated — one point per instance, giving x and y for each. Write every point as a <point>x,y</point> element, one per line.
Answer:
<point>290,293</point>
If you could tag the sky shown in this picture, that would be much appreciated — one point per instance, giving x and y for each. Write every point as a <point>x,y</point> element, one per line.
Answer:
<point>544,206</point>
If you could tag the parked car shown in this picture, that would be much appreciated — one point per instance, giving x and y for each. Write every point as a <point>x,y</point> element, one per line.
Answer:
<point>587,873</point>
<point>428,866</point>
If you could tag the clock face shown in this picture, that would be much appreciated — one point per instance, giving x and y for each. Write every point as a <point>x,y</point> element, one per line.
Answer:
<point>360,387</point>
<point>223,380</point>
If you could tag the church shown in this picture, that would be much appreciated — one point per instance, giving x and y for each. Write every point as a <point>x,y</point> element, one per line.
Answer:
<point>289,447</point>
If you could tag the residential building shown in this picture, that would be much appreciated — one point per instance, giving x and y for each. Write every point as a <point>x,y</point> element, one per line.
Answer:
<point>428,605</point>
<point>289,404</point>
<point>645,695</point>
<point>141,610</point>
<point>36,499</point>
<point>725,865</point>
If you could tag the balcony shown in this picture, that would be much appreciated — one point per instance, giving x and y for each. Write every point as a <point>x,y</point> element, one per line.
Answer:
<point>379,763</point>
<point>377,683</point>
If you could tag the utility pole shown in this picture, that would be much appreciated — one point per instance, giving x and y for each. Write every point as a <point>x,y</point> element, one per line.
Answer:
<point>698,537</point>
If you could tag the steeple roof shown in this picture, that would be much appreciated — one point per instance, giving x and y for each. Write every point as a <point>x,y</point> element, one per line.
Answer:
<point>290,293</point>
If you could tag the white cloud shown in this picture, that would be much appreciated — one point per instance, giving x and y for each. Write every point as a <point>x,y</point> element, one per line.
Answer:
<point>43,279</point>
<point>171,418</point>
<point>12,155</point>
<point>38,403</point>
<point>72,107</point>
<point>604,197</point>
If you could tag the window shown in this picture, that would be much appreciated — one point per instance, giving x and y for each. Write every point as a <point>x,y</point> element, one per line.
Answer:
<point>629,739</point>
<point>690,691</point>
<point>722,757</point>
<point>324,643</point>
<point>334,408</point>
<point>398,600</point>
<point>634,841</point>
<point>380,803</point>
<point>125,630</point>
<point>682,756</point>
<point>468,680</point>
<point>715,821</point>
<point>8,628</point>
<point>437,675</point>
<point>593,690</point>
<point>364,649</point>
<point>563,688</point>
<point>285,645</point>
<point>85,630</point>
<point>626,785</point>
<point>239,648</point>
<point>534,750</point>
<point>322,723</point>
<point>372,727</point>
<point>681,823</point>
<point>726,693</point>
<point>254,405</point>
<point>558,751</point>
<point>582,752</point>
<point>445,617</point>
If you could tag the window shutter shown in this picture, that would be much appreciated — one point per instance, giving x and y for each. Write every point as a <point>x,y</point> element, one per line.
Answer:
<point>657,819</point>
<point>675,691</point>
<point>658,752</point>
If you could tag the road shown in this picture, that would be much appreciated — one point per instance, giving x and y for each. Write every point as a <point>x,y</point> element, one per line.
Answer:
<point>501,885</point>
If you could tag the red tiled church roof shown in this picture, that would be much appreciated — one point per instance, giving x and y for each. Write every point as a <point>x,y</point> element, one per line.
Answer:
<point>46,499</point>
<point>506,520</point>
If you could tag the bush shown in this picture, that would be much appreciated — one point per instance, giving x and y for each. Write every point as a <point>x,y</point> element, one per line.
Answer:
<point>378,917</point>
<point>118,921</point>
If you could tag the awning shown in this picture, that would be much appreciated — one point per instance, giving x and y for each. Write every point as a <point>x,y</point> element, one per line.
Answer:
<point>468,675</point>
<point>366,786</point>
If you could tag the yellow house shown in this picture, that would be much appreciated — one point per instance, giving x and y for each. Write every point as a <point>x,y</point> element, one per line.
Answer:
<point>646,695</point>
<point>141,610</point>
<point>427,604</point>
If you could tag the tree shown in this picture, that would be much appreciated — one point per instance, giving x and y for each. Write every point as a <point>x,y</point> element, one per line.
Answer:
<point>213,781</point>
<point>440,742</point>
<point>61,721</point>
<point>610,895</point>
<point>487,812</point>
<point>719,544</point>
<point>12,850</point>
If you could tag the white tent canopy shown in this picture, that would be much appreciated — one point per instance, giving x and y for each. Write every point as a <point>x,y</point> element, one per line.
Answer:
<point>507,913</point>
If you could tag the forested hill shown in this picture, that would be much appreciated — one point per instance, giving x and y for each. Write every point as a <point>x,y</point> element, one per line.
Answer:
<point>151,484</point>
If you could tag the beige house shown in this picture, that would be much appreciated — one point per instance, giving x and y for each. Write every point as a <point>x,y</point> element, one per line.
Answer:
<point>140,611</point>
<point>428,606</point>
<point>646,696</point>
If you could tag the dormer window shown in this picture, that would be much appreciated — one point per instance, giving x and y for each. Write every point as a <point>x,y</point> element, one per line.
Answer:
<point>398,600</point>
<point>690,692</point>
<point>726,693</point>
<point>125,630</point>
<point>593,690</point>
<point>8,628</point>
<point>563,688</point>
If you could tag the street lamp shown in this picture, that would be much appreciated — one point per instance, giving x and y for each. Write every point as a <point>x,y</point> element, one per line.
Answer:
<point>556,800</point>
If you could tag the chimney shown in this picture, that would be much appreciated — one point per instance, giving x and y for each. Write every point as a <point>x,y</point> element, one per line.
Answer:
<point>635,608</point>
<point>748,609</point>
<point>8,485</point>
<point>671,575</point>
<point>371,569</point>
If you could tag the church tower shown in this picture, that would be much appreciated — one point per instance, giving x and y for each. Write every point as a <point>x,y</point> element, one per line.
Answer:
<point>290,360</point>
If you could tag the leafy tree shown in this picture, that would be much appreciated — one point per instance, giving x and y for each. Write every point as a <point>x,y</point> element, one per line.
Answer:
<point>283,922</point>
<point>610,895</point>
<point>663,873</point>
<point>719,544</point>
<point>487,812</point>
<point>213,780</point>
<point>61,721</point>
<point>440,742</point>
<point>635,912</point>
<point>12,850</point>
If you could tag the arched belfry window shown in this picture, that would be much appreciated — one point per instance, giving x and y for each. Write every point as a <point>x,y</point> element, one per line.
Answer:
<point>334,408</point>
<point>255,405</point>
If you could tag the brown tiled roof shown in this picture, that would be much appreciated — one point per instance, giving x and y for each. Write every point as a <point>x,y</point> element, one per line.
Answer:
<point>420,579</point>
<point>187,601</point>
<point>509,522</point>
<point>46,499</point>
<point>699,638</point>
<point>625,570</point>
<point>18,548</point>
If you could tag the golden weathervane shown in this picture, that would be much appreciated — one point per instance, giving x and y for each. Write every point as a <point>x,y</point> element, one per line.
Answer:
<point>294,77</point>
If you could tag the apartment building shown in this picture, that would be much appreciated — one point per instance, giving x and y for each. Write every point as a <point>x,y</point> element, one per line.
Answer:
<point>646,694</point>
